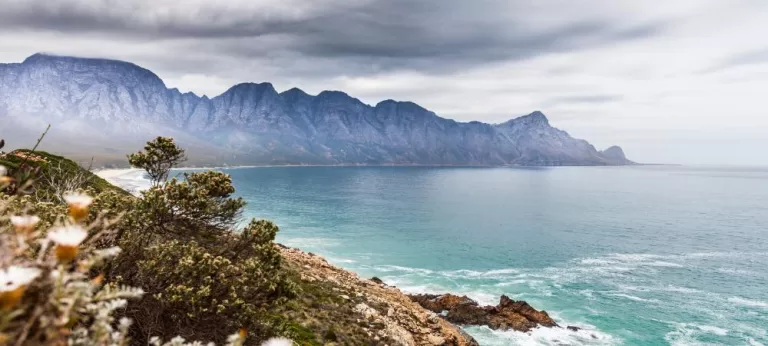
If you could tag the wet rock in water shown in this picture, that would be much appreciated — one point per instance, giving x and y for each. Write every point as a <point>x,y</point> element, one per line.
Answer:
<point>509,314</point>
<point>377,280</point>
<point>573,328</point>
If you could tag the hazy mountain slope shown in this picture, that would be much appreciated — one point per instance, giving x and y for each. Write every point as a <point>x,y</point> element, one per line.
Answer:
<point>112,104</point>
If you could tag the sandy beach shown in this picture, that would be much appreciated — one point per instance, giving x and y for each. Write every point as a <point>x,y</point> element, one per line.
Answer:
<point>129,179</point>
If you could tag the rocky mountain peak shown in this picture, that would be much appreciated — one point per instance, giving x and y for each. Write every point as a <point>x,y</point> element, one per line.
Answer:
<point>294,92</point>
<point>254,124</point>
<point>248,88</point>
<point>110,69</point>
<point>335,95</point>
<point>536,117</point>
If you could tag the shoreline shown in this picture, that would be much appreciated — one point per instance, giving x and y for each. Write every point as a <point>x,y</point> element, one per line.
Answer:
<point>446,329</point>
<point>267,165</point>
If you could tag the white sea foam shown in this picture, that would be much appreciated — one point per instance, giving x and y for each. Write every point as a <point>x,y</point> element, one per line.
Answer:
<point>634,298</point>
<point>735,271</point>
<point>677,289</point>
<point>596,261</point>
<point>306,243</point>
<point>477,274</point>
<point>689,333</point>
<point>748,302</point>
<point>501,272</point>
<point>516,282</point>
<point>632,260</point>
<point>392,268</point>
<point>714,330</point>
<point>339,260</point>
<point>630,288</point>
<point>406,285</point>
<point>542,336</point>
<point>461,273</point>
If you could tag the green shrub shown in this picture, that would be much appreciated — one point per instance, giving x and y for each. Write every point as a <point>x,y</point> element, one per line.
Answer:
<point>158,157</point>
<point>203,279</point>
<point>205,291</point>
<point>203,276</point>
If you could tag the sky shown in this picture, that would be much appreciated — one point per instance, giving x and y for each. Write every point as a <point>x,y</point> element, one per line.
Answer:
<point>679,81</point>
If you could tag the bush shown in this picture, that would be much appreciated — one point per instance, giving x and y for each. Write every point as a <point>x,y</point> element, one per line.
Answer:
<point>205,293</point>
<point>202,275</point>
<point>202,278</point>
<point>199,207</point>
<point>158,157</point>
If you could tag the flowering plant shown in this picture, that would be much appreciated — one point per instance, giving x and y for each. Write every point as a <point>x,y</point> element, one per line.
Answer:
<point>51,291</point>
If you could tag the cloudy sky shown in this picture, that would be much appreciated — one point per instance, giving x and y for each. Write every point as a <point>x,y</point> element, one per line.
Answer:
<point>677,81</point>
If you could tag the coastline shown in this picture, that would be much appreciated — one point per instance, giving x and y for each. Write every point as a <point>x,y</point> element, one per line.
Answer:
<point>406,318</point>
<point>225,166</point>
<point>128,179</point>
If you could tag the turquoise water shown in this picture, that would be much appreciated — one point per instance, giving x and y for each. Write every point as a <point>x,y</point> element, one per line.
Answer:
<point>635,255</point>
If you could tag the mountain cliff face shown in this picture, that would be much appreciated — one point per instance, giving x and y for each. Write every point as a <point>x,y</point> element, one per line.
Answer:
<point>117,102</point>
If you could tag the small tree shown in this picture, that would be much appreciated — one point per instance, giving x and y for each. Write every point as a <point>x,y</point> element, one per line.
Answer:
<point>158,157</point>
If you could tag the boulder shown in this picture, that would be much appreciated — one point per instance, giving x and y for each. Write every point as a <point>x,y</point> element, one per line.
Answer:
<point>509,314</point>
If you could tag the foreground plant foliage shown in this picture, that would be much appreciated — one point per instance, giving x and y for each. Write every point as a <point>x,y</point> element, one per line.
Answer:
<point>205,276</point>
<point>65,280</point>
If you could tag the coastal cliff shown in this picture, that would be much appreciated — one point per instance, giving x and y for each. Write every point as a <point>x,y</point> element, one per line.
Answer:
<point>370,313</point>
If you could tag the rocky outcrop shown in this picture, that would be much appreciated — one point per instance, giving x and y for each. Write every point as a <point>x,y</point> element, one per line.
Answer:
<point>509,314</point>
<point>363,312</point>
<point>616,156</point>
<point>118,104</point>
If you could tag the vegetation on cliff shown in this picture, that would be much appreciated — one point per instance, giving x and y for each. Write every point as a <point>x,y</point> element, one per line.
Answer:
<point>52,287</point>
<point>187,267</point>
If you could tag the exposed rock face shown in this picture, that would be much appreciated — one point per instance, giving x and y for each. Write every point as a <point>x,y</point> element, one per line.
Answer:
<point>509,314</point>
<point>112,101</point>
<point>616,155</point>
<point>389,317</point>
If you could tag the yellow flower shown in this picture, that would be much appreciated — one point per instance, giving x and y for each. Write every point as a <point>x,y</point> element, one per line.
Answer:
<point>13,282</point>
<point>67,240</point>
<point>78,204</point>
<point>24,224</point>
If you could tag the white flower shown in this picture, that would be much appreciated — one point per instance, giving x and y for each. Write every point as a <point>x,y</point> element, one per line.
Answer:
<point>25,222</point>
<point>68,235</point>
<point>79,200</point>
<point>4,178</point>
<point>278,342</point>
<point>15,277</point>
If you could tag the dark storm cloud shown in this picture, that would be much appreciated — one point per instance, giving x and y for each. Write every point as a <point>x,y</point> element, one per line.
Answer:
<point>361,37</point>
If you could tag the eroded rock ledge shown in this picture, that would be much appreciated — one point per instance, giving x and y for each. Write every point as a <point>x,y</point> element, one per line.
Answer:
<point>509,314</point>
<point>363,312</point>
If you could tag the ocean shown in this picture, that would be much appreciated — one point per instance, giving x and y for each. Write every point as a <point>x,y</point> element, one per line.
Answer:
<point>641,255</point>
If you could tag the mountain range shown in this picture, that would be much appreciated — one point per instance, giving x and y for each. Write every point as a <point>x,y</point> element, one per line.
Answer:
<point>110,107</point>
